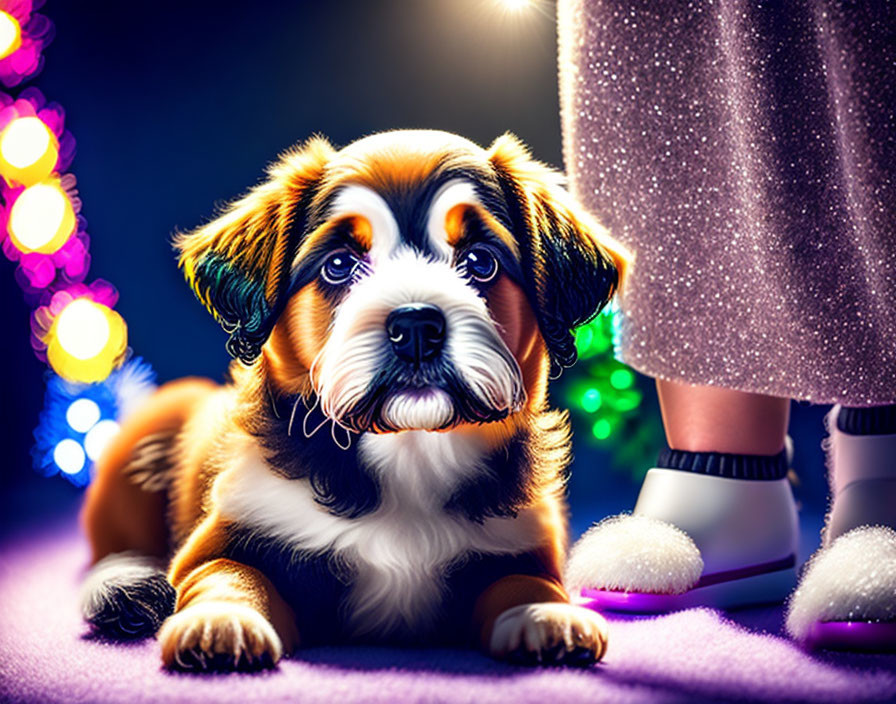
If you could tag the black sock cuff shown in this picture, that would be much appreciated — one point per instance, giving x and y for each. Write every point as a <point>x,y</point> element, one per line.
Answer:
<point>873,420</point>
<point>721,464</point>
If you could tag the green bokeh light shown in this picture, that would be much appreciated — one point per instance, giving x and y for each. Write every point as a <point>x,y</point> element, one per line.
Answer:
<point>584,337</point>
<point>602,429</point>
<point>596,337</point>
<point>622,379</point>
<point>591,400</point>
<point>627,401</point>
<point>607,398</point>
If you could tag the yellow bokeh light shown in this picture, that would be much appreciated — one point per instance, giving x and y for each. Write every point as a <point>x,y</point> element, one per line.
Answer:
<point>86,341</point>
<point>83,329</point>
<point>42,218</point>
<point>28,151</point>
<point>10,34</point>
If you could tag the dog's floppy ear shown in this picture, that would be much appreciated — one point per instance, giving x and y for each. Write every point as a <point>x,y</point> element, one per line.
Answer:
<point>238,264</point>
<point>570,265</point>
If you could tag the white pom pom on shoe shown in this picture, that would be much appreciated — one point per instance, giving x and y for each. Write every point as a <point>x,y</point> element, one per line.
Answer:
<point>853,579</point>
<point>634,553</point>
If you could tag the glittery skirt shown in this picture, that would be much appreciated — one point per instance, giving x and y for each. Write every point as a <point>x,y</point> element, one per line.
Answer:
<point>746,154</point>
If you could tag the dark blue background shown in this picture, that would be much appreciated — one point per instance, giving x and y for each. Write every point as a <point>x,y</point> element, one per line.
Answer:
<point>177,106</point>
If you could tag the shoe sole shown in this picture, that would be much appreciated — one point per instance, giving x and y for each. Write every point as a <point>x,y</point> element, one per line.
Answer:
<point>767,587</point>
<point>852,635</point>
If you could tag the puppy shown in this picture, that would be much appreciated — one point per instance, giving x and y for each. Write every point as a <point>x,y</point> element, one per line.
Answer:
<point>383,466</point>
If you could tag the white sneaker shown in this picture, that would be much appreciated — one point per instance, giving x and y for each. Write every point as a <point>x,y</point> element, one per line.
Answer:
<point>692,540</point>
<point>847,593</point>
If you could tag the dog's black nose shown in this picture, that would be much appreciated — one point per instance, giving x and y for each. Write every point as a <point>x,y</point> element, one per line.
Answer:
<point>417,332</point>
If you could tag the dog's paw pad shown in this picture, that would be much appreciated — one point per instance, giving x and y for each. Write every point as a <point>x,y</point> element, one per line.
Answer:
<point>219,636</point>
<point>549,634</point>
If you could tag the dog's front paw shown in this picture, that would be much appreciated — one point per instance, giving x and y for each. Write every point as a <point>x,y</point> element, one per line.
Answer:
<point>219,635</point>
<point>549,634</point>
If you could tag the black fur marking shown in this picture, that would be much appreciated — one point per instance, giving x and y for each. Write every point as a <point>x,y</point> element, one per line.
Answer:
<point>308,270</point>
<point>467,578</point>
<point>238,302</point>
<point>477,232</point>
<point>410,205</point>
<point>568,280</point>
<point>135,609</point>
<point>501,489</point>
<point>314,585</point>
<point>339,481</point>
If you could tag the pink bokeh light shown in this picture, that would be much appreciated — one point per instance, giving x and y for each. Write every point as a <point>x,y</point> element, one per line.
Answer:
<point>37,32</point>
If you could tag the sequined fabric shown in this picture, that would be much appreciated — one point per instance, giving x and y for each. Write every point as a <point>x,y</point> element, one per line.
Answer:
<point>746,153</point>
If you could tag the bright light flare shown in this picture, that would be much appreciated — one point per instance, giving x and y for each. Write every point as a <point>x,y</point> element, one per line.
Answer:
<point>515,5</point>
<point>41,219</point>
<point>82,415</point>
<point>10,34</point>
<point>86,341</point>
<point>28,151</point>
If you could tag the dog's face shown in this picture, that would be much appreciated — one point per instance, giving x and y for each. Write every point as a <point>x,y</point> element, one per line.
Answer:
<point>410,281</point>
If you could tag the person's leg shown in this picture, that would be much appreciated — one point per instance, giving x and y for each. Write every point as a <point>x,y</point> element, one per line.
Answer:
<point>713,419</point>
<point>716,510</point>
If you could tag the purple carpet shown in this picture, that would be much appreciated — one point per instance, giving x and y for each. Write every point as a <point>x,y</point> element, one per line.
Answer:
<point>697,655</point>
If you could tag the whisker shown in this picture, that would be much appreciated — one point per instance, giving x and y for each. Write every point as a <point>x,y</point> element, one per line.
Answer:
<point>292,416</point>
<point>273,402</point>
<point>311,369</point>
<point>348,436</point>
<point>308,433</point>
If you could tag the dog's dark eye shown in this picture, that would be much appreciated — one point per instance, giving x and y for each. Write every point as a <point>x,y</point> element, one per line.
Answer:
<point>339,267</point>
<point>479,264</point>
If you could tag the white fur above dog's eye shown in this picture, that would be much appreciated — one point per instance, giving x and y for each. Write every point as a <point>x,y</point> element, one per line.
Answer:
<point>456,192</point>
<point>367,203</point>
<point>634,553</point>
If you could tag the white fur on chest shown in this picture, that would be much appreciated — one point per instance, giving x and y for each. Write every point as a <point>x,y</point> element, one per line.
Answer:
<point>398,552</point>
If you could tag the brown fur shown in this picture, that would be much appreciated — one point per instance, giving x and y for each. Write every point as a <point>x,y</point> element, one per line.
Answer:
<point>173,511</point>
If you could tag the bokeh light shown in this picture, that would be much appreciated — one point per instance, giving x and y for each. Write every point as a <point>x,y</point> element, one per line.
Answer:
<point>10,34</point>
<point>591,400</point>
<point>86,341</point>
<point>83,329</point>
<point>69,456</point>
<point>98,437</point>
<point>622,379</point>
<point>602,429</point>
<point>28,151</point>
<point>41,219</point>
<point>82,415</point>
